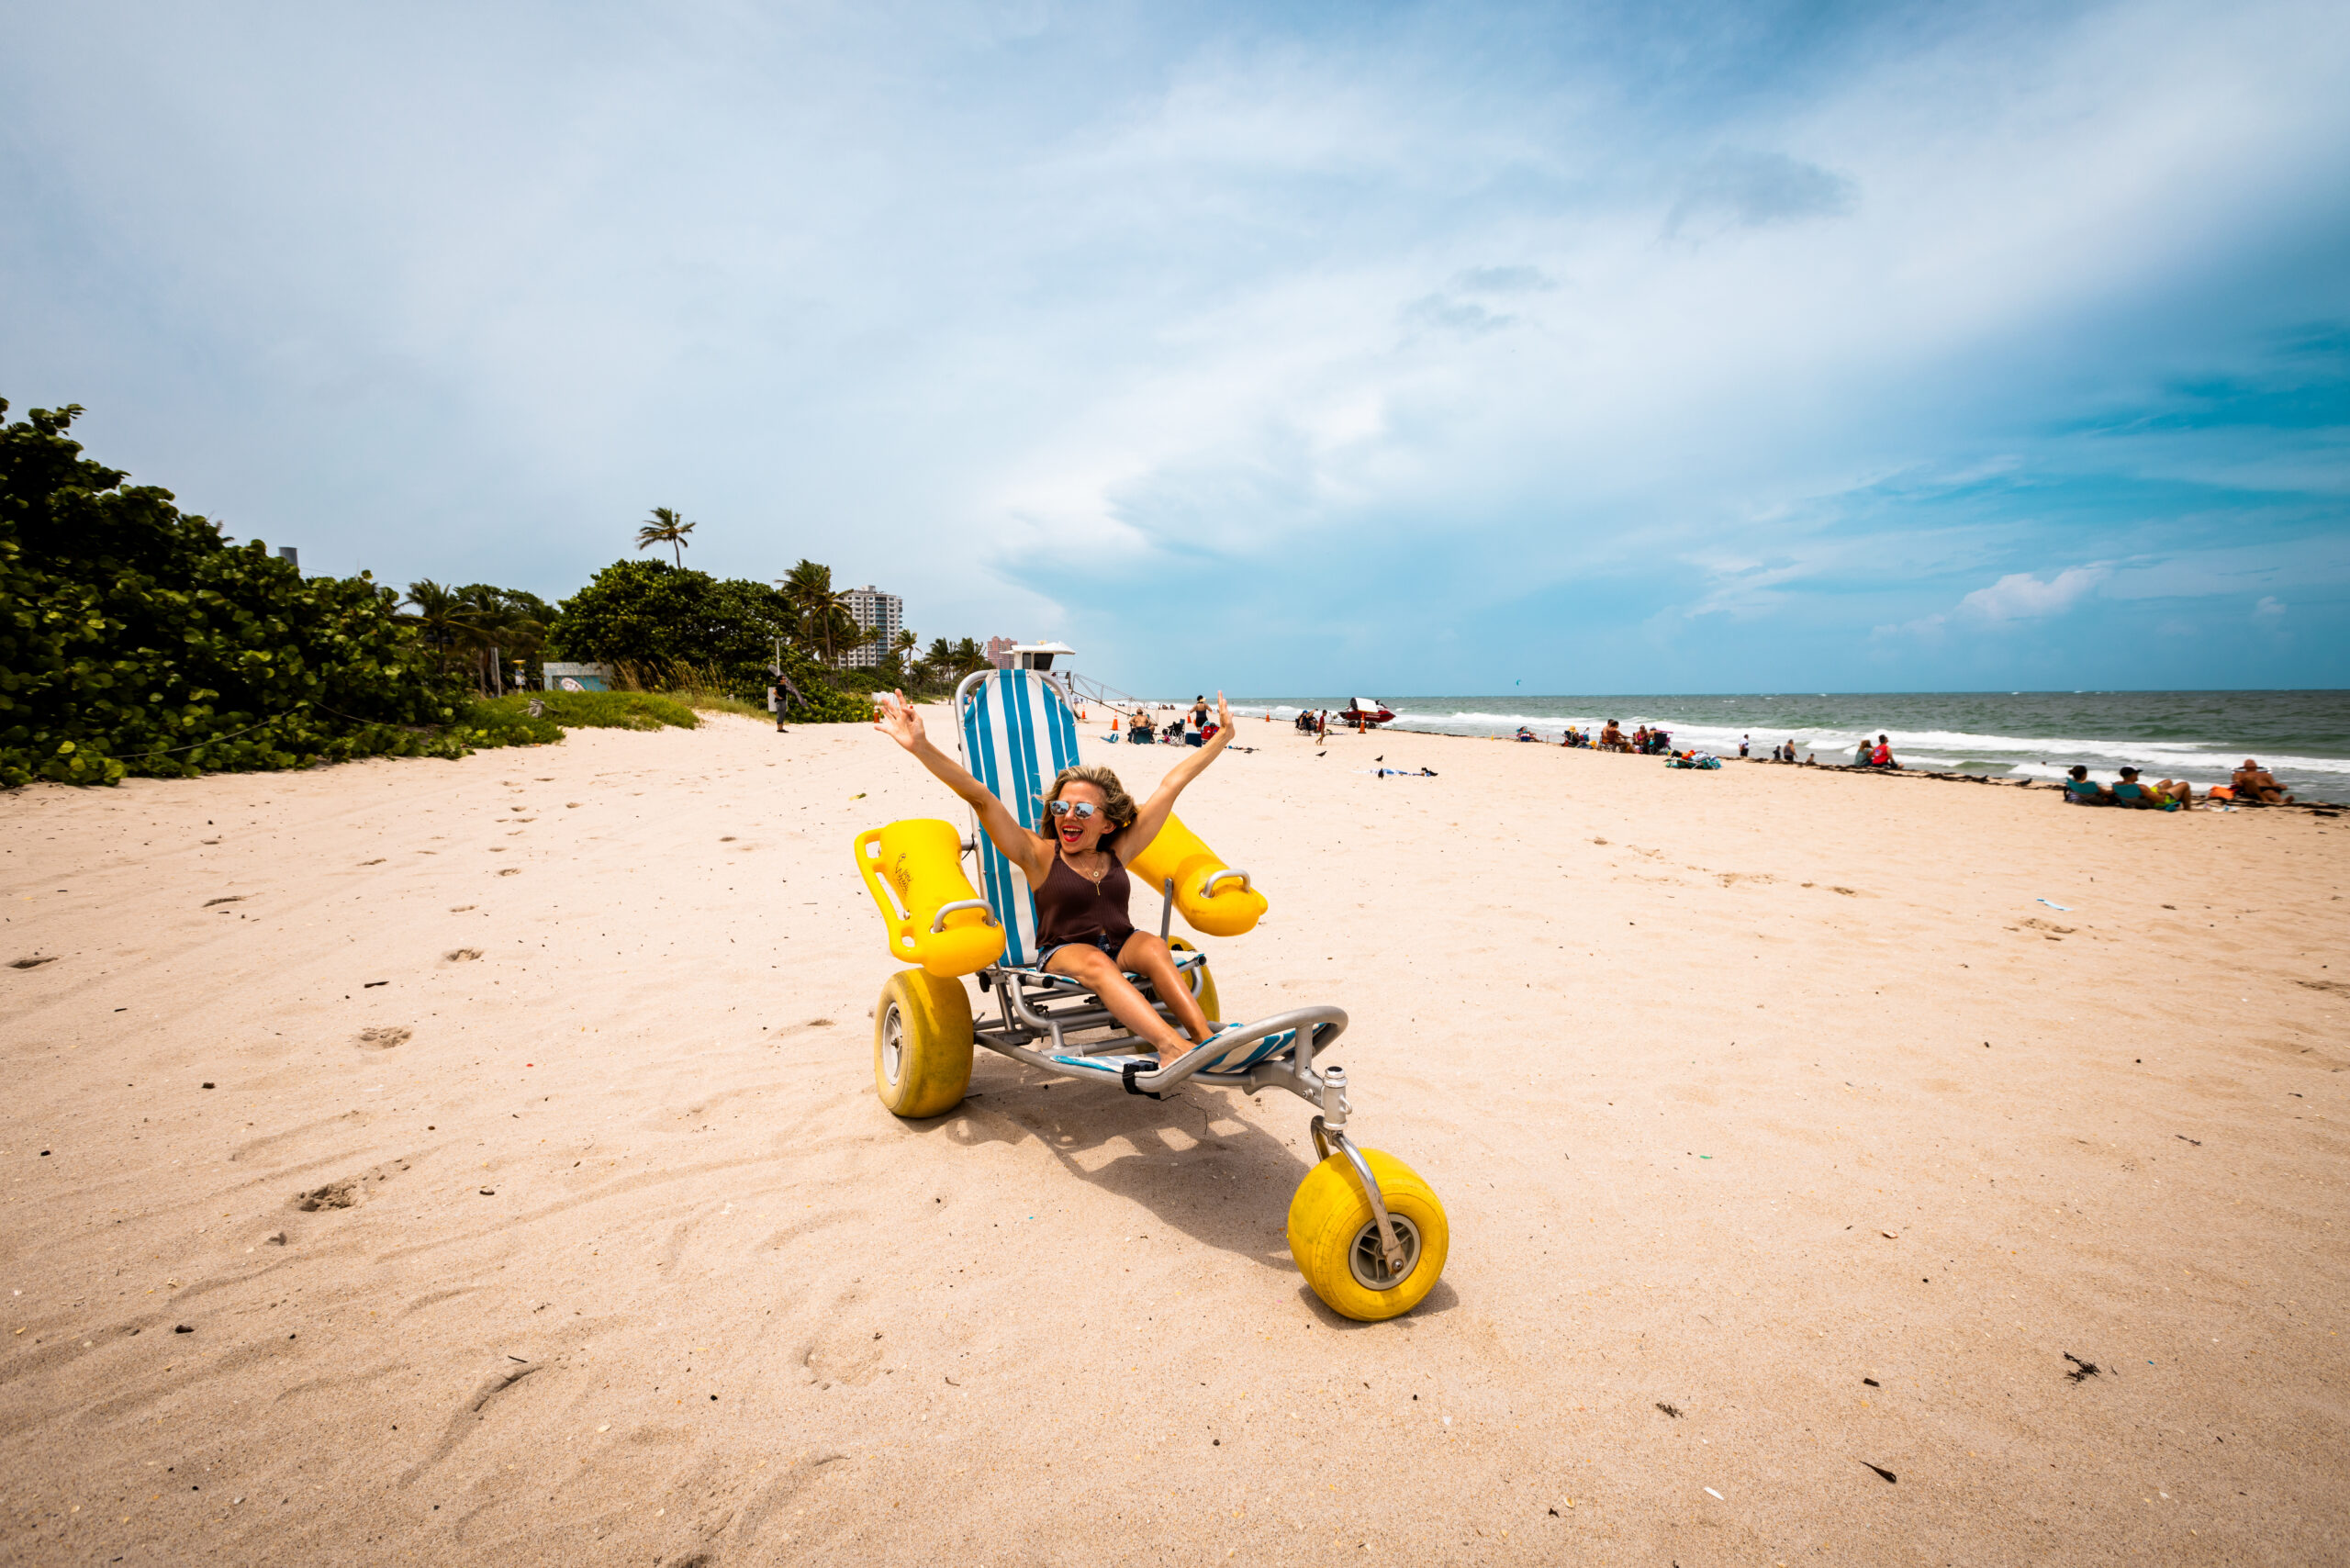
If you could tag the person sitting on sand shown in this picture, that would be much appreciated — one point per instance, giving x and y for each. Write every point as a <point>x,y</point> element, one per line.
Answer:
<point>1861,752</point>
<point>2179,790</point>
<point>1883,755</point>
<point>1078,874</point>
<point>1611,737</point>
<point>2128,792</point>
<point>1524,733</point>
<point>2255,785</point>
<point>2081,790</point>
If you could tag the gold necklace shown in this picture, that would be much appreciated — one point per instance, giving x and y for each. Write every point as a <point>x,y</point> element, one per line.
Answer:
<point>1092,876</point>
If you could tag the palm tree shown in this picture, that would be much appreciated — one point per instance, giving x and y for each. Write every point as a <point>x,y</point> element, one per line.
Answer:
<point>901,652</point>
<point>446,617</point>
<point>510,629</point>
<point>668,527</point>
<point>824,618</point>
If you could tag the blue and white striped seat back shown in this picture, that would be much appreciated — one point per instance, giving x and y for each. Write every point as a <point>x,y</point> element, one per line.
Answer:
<point>1018,734</point>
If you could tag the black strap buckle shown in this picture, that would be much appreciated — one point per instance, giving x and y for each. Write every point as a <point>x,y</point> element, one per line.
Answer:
<point>1126,1074</point>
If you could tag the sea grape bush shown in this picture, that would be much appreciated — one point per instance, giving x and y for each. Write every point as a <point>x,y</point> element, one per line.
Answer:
<point>653,617</point>
<point>134,640</point>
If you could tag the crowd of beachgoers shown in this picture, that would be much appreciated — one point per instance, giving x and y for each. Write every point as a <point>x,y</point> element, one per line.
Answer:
<point>2249,785</point>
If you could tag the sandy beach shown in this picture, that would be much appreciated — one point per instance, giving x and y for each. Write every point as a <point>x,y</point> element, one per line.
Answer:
<point>479,1161</point>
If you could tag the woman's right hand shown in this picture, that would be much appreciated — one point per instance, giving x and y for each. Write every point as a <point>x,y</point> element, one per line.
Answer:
<point>895,717</point>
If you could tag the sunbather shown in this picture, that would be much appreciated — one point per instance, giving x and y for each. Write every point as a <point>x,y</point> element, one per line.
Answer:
<point>2255,785</point>
<point>2179,789</point>
<point>1078,875</point>
<point>2080,790</point>
<point>1611,738</point>
<point>2128,792</point>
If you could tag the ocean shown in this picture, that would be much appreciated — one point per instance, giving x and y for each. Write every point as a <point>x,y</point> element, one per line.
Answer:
<point>2303,737</point>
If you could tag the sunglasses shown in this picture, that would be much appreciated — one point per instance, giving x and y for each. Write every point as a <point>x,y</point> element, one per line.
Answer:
<point>1081,810</point>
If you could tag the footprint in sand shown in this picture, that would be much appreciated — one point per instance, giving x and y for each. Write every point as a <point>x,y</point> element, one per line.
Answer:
<point>511,872</point>
<point>461,954</point>
<point>33,963</point>
<point>384,1038</point>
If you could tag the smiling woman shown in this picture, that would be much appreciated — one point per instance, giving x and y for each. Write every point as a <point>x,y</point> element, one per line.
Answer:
<point>1077,873</point>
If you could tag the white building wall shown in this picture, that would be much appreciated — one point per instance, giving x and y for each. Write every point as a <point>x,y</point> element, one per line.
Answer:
<point>880,615</point>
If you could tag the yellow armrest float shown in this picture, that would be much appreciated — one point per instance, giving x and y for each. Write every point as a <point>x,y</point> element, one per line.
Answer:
<point>1213,899</point>
<point>914,870</point>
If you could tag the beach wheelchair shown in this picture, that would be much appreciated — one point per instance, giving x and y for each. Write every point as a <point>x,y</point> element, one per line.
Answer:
<point>1366,1231</point>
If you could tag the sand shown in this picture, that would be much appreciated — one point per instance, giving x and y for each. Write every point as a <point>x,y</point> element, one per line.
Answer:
<point>502,1133</point>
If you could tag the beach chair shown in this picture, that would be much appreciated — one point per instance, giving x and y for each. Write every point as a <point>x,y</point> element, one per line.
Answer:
<point>1367,1232</point>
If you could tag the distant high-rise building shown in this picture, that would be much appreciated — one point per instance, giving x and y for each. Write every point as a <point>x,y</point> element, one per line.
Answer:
<point>1000,650</point>
<point>880,615</point>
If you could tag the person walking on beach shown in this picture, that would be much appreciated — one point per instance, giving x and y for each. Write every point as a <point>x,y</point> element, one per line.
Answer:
<point>1078,875</point>
<point>1744,742</point>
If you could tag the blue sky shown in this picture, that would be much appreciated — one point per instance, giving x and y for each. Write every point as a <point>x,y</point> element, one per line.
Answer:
<point>1428,349</point>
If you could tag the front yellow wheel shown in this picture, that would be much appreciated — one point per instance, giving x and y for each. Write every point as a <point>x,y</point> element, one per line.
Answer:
<point>921,1043</point>
<point>1207,993</point>
<point>1335,1240</point>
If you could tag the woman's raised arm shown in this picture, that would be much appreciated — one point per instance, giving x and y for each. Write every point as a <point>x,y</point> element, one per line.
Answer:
<point>898,720</point>
<point>1154,811</point>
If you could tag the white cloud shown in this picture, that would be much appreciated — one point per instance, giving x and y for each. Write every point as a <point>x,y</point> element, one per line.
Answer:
<point>2020,596</point>
<point>1146,296</point>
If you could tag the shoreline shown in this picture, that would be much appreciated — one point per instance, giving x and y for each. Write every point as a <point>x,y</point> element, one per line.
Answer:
<point>2302,737</point>
<point>1946,775</point>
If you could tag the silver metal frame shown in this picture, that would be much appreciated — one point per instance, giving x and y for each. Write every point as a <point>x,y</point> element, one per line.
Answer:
<point>1034,1007</point>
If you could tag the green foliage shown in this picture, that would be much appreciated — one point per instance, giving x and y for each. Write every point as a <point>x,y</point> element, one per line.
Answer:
<point>716,702</point>
<point>135,640</point>
<point>480,727</point>
<point>597,710</point>
<point>675,627</point>
<point>821,624</point>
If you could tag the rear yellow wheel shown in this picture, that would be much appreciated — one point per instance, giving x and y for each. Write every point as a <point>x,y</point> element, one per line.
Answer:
<point>1335,1240</point>
<point>921,1043</point>
<point>1207,993</point>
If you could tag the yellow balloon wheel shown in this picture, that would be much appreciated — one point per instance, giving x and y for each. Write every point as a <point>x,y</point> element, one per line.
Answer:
<point>921,1043</point>
<point>1208,1004</point>
<point>1336,1241</point>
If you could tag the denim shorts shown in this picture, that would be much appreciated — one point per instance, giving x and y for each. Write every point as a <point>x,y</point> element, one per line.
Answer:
<point>1109,947</point>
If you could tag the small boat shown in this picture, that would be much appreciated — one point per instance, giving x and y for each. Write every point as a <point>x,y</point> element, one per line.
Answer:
<point>1366,712</point>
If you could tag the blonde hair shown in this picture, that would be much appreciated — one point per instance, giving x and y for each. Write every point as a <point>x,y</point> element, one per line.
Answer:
<point>1120,805</point>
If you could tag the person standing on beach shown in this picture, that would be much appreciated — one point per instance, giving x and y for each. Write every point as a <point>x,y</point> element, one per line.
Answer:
<point>1744,742</point>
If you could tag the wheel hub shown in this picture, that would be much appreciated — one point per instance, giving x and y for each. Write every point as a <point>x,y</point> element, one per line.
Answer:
<point>893,1045</point>
<point>1367,1262</point>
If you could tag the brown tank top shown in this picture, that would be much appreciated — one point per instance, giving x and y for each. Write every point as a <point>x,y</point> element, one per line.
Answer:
<point>1069,908</point>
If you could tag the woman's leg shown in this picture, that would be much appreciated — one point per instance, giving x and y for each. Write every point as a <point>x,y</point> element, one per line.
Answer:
<point>1148,956</point>
<point>1095,970</point>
